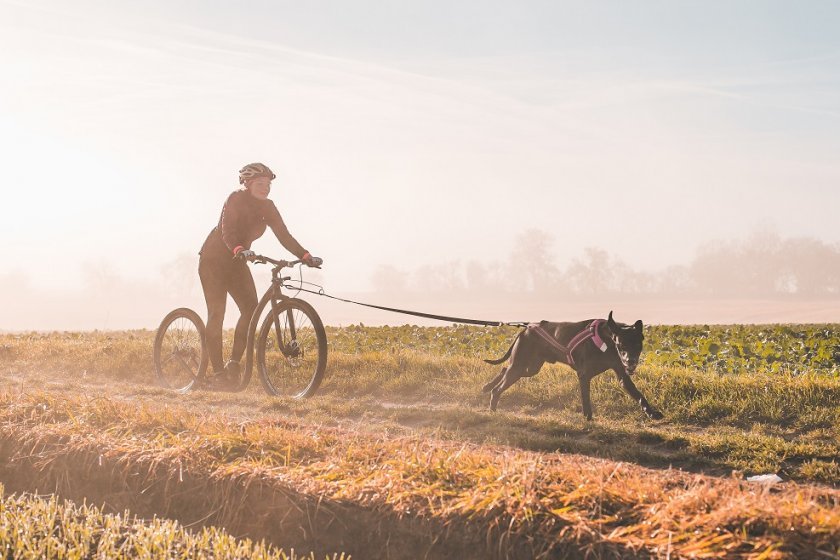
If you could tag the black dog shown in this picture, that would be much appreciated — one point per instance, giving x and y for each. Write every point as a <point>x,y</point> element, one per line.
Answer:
<point>589,347</point>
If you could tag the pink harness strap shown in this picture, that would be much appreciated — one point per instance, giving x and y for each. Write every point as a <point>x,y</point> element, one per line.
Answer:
<point>589,332</point>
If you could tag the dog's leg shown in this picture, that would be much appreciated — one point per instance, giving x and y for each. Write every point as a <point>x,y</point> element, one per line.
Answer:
<point>510,377</point>
<point>495,381</point>
<point>586,402</point>
<point>637,396</point>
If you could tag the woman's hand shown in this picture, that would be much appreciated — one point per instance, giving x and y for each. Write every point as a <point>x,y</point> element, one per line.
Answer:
<point>245,255</point>
<point>309,260</point>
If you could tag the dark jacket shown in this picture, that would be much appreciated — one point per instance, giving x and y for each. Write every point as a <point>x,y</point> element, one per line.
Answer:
<point>243,220</point>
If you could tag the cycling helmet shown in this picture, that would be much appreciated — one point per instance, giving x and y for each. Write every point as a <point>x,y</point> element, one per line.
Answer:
<point>255,170</point>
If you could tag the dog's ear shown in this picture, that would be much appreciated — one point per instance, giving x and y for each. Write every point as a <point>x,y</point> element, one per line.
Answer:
<point>638,325</point>
<point>611,323</point>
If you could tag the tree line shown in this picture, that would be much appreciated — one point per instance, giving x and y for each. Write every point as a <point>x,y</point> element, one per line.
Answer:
<point>761,265</point>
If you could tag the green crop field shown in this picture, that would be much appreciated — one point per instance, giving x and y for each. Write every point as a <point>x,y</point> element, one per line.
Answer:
<point>398,456</point>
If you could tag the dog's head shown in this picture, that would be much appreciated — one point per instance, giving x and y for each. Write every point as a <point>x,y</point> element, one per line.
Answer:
<point>628,342</point>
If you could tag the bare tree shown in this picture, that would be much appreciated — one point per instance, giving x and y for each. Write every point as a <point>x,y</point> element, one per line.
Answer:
<point>592,274</point>
<point>533,250</point>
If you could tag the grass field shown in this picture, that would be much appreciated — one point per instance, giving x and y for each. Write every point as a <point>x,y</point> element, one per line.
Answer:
<point>398,453</point>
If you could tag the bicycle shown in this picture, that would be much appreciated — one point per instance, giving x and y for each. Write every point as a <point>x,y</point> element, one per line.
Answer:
<point>290,349</point>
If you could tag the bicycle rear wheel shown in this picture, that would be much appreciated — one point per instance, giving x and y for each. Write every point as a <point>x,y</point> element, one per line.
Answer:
<point>180,351</point>
<point>292,350</point>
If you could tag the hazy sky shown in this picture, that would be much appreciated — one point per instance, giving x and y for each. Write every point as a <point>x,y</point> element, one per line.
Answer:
<point>413,132</point>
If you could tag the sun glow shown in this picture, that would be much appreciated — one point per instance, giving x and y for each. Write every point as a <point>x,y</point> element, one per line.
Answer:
<point>120,138</point>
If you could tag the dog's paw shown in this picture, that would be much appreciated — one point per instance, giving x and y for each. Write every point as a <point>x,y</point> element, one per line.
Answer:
<point>654,414</point>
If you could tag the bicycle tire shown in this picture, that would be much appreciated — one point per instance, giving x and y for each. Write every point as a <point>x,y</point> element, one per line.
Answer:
<point>295,367</point>
<point>180,350</point>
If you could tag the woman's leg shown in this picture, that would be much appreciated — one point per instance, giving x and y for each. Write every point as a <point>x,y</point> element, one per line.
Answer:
<point>214,282</point>
<point>244,294</point>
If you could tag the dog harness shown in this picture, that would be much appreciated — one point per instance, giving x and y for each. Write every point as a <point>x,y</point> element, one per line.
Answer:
<point>589,332</point>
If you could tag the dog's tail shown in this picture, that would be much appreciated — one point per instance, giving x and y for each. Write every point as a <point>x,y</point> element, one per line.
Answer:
<point>508,353</point>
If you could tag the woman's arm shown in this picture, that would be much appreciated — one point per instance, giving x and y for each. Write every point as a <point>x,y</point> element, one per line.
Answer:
<point>275,222</point>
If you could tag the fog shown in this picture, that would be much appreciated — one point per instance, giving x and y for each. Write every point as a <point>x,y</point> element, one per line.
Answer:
<point>760,279</point>
<point>673,161</point>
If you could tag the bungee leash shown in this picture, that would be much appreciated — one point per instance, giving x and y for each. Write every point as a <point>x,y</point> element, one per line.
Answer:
<point>321,292</point>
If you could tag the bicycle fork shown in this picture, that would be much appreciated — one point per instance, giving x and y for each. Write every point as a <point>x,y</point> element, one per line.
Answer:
<point>273,295</point>
<point>289,348</point>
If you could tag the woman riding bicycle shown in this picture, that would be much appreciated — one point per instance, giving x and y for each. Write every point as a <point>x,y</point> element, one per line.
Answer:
<point>223,269</point>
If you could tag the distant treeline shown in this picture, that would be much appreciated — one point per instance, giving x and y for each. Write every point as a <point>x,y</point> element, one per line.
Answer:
<point>762,265</point>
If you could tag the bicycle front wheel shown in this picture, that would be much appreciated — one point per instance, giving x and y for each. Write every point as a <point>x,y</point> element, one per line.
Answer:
<point>292,350</point>
<point>180,351</point>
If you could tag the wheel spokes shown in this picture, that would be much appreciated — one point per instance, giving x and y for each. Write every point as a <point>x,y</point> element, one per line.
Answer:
<point>292,350</point>
<point>181,346</point>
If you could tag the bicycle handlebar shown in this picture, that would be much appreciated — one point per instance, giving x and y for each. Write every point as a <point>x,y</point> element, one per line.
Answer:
<point>262,259</point>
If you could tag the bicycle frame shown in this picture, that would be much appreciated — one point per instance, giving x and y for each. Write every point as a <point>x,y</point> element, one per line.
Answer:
<point>275,296</point>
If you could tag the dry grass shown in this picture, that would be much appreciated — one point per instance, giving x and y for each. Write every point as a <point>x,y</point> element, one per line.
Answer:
<point>513,503</point>
<point>44,528</point>
<point>755,423</point>
<point>487,499</point>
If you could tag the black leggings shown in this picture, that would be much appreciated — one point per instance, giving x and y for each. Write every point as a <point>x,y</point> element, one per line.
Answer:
<point>220,277</point>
